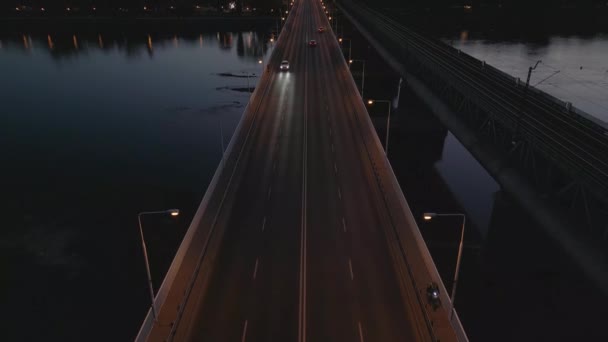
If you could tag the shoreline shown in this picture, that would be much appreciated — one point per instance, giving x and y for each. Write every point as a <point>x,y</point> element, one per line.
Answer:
<point>149,24</point>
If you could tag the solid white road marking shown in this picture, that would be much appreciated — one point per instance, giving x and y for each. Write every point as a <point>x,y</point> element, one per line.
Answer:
<point>344,224</point>
<point>339,193</point>
<point>244,332</point>
<point>264,223</point>
<point>360,332</point>
<point>302,298</point>
<point>255,268</point>
<point>350,267</point>
<point>335,167</point>
<point>269,191</point>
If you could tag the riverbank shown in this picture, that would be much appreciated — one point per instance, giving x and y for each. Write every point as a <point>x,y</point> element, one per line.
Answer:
<point>507,22</point>
<point>138,24</point>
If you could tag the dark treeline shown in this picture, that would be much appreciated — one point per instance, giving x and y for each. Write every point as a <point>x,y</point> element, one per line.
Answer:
<point>136,7</point>
<point>524,5</point>
<point>515,17</point>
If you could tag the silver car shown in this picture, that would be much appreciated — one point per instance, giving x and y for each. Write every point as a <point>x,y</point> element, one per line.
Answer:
<point>284,66</point>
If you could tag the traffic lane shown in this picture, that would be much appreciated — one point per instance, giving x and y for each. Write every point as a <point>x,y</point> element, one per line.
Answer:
<point>280,46</point>
<point>222,308</point>
<point>238,257</point>
<point>203,278</point>
<point>384,314</point>
<point>330,316</point>
<point>274,315</point>
<point>183,276</point>
<point>384,317</point>
<point>333,308</point>
<point>335,315</point>
<point>416,317</point>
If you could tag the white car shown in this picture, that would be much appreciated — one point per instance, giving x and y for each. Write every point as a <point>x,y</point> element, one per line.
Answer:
<point>284,65</point>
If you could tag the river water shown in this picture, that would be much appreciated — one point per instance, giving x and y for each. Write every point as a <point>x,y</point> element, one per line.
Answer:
<point>573,68</point>
<point>95,128</point>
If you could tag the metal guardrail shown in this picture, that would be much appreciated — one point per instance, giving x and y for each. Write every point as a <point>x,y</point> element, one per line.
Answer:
<point>575,141</point>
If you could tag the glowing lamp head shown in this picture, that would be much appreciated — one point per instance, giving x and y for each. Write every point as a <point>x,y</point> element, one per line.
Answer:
<point>260,61</point>
<point>429,216</point>
<point>340,40</point>
<point>173,212</point>
<point>370,102</point>
<point>350,61</point>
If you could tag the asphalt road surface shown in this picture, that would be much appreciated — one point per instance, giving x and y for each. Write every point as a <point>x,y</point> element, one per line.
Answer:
<point>303,254</point>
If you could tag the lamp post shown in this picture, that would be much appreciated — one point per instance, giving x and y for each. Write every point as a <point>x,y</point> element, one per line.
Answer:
<point>430,216</point>
<point>524,95</point>
<point>350,45</point>
<point>388,121</point>
<point>172,212</point>
<point>363,73</point>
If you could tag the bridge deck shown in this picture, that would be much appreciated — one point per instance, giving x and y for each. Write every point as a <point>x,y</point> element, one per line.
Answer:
<point>306,234</point>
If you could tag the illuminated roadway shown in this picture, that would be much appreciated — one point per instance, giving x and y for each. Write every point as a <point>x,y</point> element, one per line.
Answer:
<point>301,247</point>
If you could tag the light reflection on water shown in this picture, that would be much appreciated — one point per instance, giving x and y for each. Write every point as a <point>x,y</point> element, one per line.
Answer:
<point>94,128</point>
<point>573,68</point>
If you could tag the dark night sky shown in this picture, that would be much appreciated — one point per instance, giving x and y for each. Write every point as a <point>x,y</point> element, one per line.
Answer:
<point>526,5</point>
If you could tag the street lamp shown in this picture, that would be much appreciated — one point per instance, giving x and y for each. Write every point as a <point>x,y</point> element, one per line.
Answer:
<point>172,212</point>
<point>350,61</point>
<point>350,45</point>
<point>430,216</point>
<point>388,120</point>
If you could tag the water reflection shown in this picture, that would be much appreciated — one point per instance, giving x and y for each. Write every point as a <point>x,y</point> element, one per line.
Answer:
<point>573,68</point>
<point>91,127</point>
<point>249,45</point>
